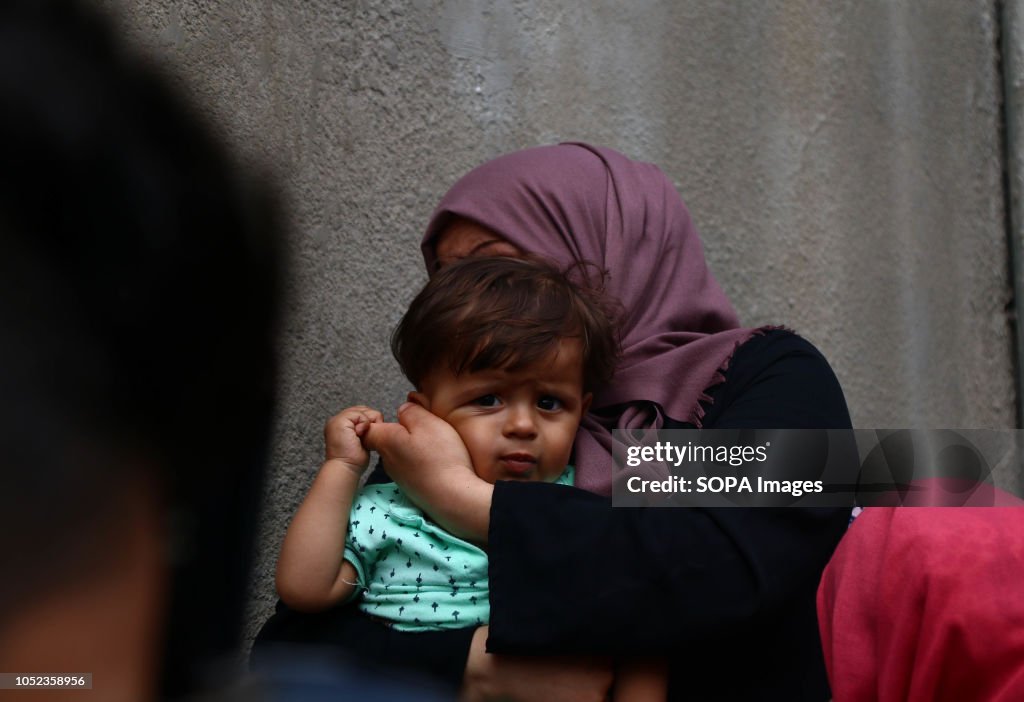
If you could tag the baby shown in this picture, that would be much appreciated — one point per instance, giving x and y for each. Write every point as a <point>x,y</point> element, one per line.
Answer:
<point>507,351</point>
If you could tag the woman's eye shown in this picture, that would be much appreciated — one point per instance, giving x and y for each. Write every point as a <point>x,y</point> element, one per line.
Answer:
<point>549,403</point>
<point>487,401</point>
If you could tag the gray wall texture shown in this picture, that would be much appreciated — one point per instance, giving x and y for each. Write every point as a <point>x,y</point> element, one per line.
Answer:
<point>844,161</point>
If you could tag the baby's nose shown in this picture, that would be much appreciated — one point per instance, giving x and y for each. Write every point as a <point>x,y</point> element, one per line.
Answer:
<point>520,423</point>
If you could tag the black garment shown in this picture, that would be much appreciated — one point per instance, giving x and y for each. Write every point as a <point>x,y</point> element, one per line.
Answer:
<point>727,595</point>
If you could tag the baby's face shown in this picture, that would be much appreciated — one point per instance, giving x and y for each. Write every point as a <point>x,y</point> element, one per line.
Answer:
<point>517,425</point>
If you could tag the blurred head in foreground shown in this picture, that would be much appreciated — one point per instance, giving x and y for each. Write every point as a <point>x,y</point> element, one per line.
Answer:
<point>138,276</point>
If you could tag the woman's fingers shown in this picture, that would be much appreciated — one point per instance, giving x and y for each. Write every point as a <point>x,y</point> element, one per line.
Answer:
<point>426,457</point>
<point>418,446</point>
<point>413,414</point>
<point>385,437</point>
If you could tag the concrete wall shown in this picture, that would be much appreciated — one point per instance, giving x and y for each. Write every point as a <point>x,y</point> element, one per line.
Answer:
<point>843,161</point>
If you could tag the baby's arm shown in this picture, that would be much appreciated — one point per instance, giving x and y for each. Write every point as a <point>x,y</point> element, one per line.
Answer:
<point>312,574</point>
<point>641,681</point>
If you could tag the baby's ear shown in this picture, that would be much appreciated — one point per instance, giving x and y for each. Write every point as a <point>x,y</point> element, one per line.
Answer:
<point>587,397</point>
<point>420,399</point>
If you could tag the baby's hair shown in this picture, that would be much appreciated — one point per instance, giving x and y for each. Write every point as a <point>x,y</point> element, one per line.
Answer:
<point>506,313</point>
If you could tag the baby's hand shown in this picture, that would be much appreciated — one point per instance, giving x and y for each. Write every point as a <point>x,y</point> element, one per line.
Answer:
<point>343,436</point>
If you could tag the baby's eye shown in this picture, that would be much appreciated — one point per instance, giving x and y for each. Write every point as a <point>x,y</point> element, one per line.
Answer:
<point>549,403</point>
<point>487,401</point>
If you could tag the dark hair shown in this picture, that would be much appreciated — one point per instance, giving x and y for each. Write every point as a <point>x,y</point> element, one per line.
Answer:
<point>484,313</point>
<point>139,279</point>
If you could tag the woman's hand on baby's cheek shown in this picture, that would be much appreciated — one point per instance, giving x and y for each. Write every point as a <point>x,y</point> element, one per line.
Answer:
<point>420,450</point>
<point>426,457</point>
<point>343,436</point>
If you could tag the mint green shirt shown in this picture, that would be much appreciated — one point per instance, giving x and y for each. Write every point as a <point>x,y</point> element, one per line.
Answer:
<point>411,572</point>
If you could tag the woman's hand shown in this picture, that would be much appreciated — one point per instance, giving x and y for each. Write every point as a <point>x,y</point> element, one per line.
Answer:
<point>426,457</point>
<point>523,679</point>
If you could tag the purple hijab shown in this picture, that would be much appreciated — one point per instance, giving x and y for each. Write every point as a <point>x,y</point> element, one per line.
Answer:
<point>575,202</point>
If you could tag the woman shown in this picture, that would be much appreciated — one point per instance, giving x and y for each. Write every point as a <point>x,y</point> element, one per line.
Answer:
<point>727,595</point>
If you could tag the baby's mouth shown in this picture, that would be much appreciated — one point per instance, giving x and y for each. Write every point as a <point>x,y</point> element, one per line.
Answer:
<point>518,463</point>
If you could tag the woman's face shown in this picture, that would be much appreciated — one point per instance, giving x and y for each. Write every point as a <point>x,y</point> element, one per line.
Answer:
<point>464,238</point>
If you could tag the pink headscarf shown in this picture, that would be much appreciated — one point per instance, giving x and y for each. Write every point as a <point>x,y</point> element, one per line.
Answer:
<point>575,202</point>
<point>927,603</point>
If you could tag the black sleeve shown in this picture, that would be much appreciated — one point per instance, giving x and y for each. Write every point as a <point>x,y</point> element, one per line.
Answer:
<point>570,574</point>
